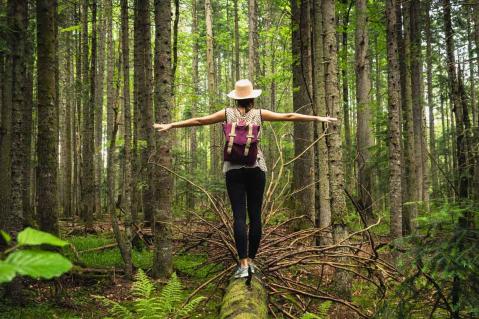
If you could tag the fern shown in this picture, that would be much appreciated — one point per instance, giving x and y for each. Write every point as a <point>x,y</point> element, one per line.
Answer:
<point>147,304</point>
<point>115,309</point>
<point>323,311</point>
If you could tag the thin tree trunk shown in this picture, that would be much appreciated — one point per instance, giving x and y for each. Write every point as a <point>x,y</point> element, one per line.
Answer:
<point>253,60</point>
<point>303,169</point>
<point>236,46</point>
<point>162,260</point>
<point>47,142</point>
<point>110,99</point>
<point>103,17</point>
<point>323,218</point>
<point>6,125</point>
<point>194,104</point>
<point>20,108</point>
<point>430,99</point>
<point>345,92</point>
<point>127,182</point>
<point>69,104</point>
<point>409,169</point>
<point>364,128</point>
<point>343,278</point>
<point>146,141</point>
<point>87,171</point>
<point>417,92</point>
<point>394,107</point>
<point>214,149</point>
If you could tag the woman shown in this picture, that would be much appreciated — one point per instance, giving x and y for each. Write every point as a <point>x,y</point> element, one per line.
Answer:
<point>245,183</point>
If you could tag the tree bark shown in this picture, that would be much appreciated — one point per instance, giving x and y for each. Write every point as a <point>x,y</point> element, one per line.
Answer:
<point>110,100</point>
<point>303,169</point>
<point>343,278</point>
<point>410,191</point>
<point>457,103</point>
<point>87,170</point>
<point>214,129</point>
<point>194,103</point>
<point>162,260</point>
<point>146,142</point>
<point>430,98</point>
<point>323,218</point>
<point>20,108</point>
<point>236,46</point>
<point>394,109</point>
<point>364,127</point>
<point>417,92</point>
<point>241,301</point>
<point>47,141</point>
<point>125,43</point>
<point>105,15</point>
<point>253,59</point>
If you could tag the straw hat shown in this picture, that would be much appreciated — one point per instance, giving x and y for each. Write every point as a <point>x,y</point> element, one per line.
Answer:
<point>244,90</point>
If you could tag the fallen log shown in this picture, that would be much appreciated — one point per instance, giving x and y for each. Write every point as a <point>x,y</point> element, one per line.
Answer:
<point>242,301</point>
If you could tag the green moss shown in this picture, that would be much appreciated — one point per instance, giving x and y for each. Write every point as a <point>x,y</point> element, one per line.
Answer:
<point>190,264</point>
<point>241,301</point>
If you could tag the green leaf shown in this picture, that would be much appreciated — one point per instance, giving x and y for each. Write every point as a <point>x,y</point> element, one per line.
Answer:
<point>7,272</point>
<point>5,236</point>
<point>30,236</point>
<point>39,263</point>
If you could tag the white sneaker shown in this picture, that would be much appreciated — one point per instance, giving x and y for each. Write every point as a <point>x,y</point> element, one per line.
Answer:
<point>253,267</point>
<point>241,272</point>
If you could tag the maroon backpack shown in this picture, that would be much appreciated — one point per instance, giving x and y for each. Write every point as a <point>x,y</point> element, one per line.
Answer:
<point>241,146</point>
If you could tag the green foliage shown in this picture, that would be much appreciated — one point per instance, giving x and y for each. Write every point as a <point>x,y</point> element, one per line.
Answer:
<point>322,311</point>
<point>33,262</point>
<point>148,305</point>
<point>440,265</point>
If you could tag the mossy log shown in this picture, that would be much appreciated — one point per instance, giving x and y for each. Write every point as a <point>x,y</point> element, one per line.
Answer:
<point>245,302</point>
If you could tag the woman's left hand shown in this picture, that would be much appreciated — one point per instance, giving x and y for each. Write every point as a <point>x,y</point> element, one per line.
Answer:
<point>327,119</point>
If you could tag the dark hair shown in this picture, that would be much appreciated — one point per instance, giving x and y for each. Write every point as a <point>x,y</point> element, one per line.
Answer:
<point>248,104</point>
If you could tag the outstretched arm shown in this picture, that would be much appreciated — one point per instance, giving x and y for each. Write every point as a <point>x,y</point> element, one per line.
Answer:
<point>273,116</point>
<point>196,121</point>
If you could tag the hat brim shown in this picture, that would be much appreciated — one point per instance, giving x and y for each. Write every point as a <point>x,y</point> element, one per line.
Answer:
<point>254,94</point>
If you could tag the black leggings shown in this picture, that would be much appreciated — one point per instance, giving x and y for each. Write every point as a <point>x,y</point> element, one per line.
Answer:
<point>246,183</point>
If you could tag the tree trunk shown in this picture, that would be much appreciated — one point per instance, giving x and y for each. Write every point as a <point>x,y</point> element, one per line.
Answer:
<point>336,175</point>
<point>457,103</point>
<point>253,59</point>
<point>394,109</point>
<point>303,169</point>
<point>410,191</point>
<point>236,46</point>
<point>127,181</point>
<point>110,100</point>
<point>345,90</point>
<point>105,15</point>
<point>47,142</point>
<point>241,301</point>
<point>6,124</point>
<point>417,92</point>
<point>87,171</point>
<point>162,260</point>
<point>214,129</point>
<point>430,99</point>
<point>69,105</point>
<point>323,218</point>
<point>146,141</point>
<point>20,108</point>
<point>194,103</point>
<point>364,128</point>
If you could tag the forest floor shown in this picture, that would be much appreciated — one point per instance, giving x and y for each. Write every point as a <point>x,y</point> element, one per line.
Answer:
<point>72,296</point>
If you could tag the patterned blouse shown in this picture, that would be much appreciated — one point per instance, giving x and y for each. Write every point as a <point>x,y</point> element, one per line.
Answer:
<point>252,116</point>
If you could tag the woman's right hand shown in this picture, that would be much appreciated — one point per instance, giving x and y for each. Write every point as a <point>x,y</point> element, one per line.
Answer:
<point>162,127</point>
